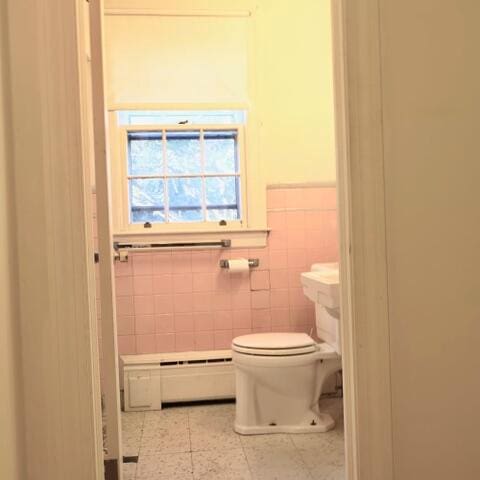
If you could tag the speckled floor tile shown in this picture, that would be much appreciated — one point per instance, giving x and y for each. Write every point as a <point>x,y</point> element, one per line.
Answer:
<point>176,466</point>
<point>328,472</point>
<point>276,464</point>
<point>168,416</point>
<point>206,411</point>
<point>132,419</point>
<point>129,471</point>
<point>165,441</point>
<point>132,427</point>
<point>212,432</point>
<point>165,432</point>
<point>277,440</point>
<point>224,465</point>
<point>319,449</point>
<point>199,443</point>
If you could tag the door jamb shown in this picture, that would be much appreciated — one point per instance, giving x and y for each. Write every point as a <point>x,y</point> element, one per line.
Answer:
<point>363,248</point>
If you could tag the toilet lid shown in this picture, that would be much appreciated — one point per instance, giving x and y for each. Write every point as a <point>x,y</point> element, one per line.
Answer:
<point>274,344</point>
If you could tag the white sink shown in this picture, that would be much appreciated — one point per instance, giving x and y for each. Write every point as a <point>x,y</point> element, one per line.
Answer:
<point>322,285</point>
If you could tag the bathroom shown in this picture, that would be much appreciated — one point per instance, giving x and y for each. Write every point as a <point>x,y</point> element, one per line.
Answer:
<point>222,193</point>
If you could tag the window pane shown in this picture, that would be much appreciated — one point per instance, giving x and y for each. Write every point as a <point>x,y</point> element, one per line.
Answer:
<point>220,152</point>
<point>185,199</point>
<point>147,200</point>
<point>218,214</point>
<point>183,153</point>
<point>222,191</point>
<point>147,214</point>
<point>145,153</point>
<point>185,215</point>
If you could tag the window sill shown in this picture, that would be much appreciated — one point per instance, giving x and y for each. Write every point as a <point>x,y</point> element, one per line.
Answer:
<point>244,238</point>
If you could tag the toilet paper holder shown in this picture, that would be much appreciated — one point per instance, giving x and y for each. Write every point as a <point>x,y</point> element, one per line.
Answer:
<point>252,263</point>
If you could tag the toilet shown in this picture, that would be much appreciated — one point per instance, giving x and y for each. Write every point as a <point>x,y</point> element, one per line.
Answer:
<point>279,376</point>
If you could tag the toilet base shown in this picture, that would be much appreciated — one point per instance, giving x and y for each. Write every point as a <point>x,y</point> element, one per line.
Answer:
<point>315,423</point>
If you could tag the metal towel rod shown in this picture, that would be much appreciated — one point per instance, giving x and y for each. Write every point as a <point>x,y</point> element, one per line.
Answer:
<point>138,246</point>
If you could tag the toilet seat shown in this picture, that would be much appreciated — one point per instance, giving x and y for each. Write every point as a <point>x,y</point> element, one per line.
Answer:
<point>274,344</point>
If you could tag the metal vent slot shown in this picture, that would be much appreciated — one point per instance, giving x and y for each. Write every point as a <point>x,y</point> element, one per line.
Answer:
<point>168,364</point>
<point>193,362</point>
<point>216,360</point>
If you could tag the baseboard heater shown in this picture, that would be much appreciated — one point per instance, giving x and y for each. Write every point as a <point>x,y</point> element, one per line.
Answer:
<point>152,380</point>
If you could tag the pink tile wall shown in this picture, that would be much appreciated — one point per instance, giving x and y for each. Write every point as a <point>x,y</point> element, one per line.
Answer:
<point>181,300</point>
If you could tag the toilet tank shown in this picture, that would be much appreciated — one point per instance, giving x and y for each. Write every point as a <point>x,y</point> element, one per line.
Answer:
<point>324,279</point>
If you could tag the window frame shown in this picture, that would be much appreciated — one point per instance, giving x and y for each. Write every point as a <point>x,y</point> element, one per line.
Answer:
<point>121,167</point>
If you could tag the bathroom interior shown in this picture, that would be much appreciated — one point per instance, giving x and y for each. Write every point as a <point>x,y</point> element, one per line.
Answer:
<point>223,216</point>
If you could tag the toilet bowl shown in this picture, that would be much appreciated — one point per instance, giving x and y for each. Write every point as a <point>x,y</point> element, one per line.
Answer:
<point>280,376</point>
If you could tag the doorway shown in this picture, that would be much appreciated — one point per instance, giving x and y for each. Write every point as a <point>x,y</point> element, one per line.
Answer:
<point>149,283</point>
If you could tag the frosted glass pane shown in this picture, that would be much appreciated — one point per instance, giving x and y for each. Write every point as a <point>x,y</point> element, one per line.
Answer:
<point>183,153</point>
<point>218,214</point>
<point>185,192</point>
<point>222,191</point>
<point>142,215</point>
<point>147,200</point>
<point>185,215</point>
<point>145,155</point>
<point>220,152</point>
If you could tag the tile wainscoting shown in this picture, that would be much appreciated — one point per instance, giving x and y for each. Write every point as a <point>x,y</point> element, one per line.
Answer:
<point>182,301</point>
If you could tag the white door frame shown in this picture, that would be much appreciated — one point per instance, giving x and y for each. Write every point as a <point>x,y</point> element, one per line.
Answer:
<point>365,325</point>
<point>55,248</point>
<point>109,366</point>
<point>61,387</point>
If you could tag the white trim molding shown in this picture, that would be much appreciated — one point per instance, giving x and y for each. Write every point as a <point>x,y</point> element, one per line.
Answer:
<point>55,244</point>
<point>365,322</point>
<point>176,13</point>
<point>277,186</point>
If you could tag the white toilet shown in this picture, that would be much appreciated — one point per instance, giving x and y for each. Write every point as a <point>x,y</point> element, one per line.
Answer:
<point>279,376</point>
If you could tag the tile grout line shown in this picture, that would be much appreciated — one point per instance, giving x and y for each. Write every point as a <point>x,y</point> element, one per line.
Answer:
<point>140,444</point>
<point>190,442</point>
<point>299,452</point>
<point>246,458</point>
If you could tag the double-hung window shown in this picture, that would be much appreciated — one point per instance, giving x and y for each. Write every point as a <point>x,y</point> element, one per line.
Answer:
<point>184,174</point>
<point>184,157</point>
<point>179,170</point>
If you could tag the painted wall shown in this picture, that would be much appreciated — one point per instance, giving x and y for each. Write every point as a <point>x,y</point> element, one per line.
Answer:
<point>183,301</point>
<point>12,459</point>
<point>431,78</point>
<point>295,91</point>
<point>293,82</point>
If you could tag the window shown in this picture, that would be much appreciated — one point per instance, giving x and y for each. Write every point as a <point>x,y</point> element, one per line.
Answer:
<point>184,153</point>
<point>183,174</point>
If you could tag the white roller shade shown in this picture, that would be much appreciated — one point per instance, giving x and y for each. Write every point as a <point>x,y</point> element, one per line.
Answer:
<point>176,59</point>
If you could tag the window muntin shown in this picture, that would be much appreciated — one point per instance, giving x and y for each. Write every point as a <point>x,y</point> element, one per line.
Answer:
<point>178,175</point>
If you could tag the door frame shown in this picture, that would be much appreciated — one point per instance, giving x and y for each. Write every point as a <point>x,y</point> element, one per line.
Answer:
<point>108,327</point>
<point>56,285</point>
<point>363,249</point>
<point>67,442</point>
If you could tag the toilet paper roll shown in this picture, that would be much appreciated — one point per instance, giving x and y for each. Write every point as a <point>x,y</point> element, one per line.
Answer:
<point>238,265</point>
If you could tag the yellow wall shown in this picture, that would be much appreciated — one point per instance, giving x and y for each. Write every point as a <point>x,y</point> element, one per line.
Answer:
<point>11,449</point>
<point>296,91</point>
<point>293,82</point>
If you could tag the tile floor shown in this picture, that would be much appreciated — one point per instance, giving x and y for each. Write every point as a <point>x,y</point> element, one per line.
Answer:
<point>198,443</point>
